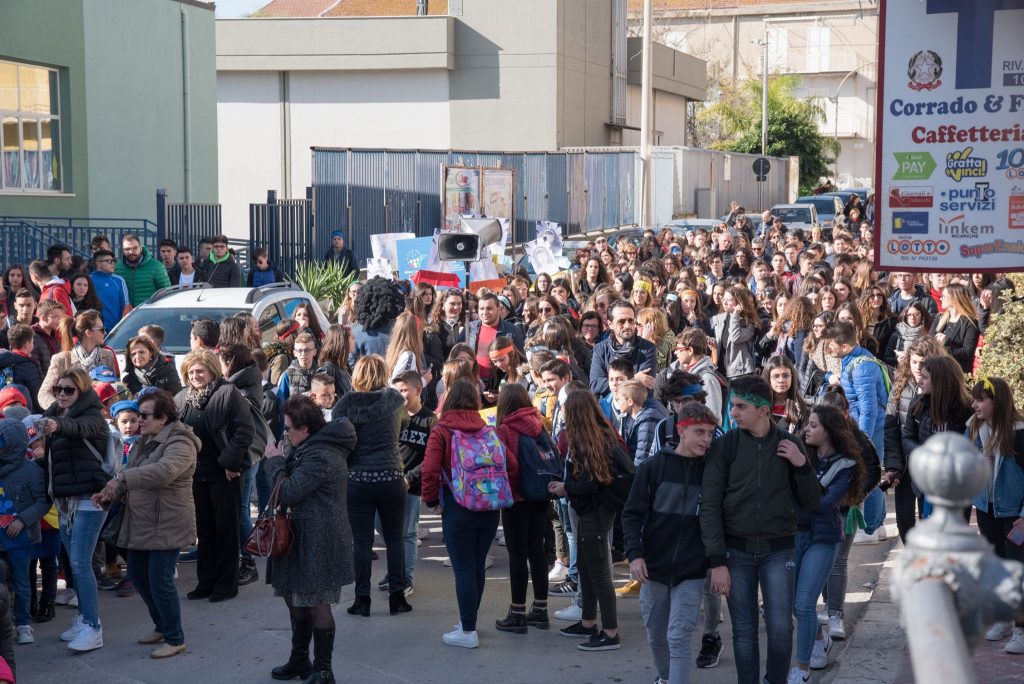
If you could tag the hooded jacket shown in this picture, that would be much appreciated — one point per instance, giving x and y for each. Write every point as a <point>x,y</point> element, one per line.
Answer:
<point>223,273</point>
<point>864,387</point>
<point>524,421</point>
<point>661,523</point>
<point>24,371</point>
<point>376,417</point>
<point>160,513</point>
<point>143,278</point>
<point>249,382</point>
<point>23,481</point>
<point>74,469</point>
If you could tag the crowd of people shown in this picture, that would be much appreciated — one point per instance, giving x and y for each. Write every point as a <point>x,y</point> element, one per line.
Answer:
<point>725,411</point>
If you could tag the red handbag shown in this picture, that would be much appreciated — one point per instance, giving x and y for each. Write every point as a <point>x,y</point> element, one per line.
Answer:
<point>271,534</point>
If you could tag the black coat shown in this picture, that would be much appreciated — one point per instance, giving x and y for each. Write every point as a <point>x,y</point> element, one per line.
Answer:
<point>174,275</point>
<point>228,428</point>
<point>919,426</point>
<point>161,374</point>
<point>24,371</point>
<point>376,417</point>
<point>225,274</point>
<point>896,415</point>
<point>882,332</point>
<point>74,469</point>
<point>961,340</point>
<point>249,382</point>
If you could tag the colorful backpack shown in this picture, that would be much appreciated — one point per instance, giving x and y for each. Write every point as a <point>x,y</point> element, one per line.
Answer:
<point>479,479</point>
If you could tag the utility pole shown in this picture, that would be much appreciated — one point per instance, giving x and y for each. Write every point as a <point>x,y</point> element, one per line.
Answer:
<point>645,120</point>
<point>764,91</point>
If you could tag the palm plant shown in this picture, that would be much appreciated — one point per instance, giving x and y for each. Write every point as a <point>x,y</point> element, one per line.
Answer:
<point>327,281</point>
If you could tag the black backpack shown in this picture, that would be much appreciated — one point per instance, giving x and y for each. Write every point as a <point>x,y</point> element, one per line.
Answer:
<point>614,494</point>
<point>540,463</point>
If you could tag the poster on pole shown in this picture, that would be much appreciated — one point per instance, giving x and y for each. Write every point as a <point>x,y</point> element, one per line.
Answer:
<point>461,194</point>
<point>496,196</point>
<point>950,136</point>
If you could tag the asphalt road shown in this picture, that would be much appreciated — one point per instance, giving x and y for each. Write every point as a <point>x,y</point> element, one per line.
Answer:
<point>242,639</point>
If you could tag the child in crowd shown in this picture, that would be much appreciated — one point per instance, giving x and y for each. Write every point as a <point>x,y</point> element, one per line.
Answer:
<point>321,390</point>
<point>640,418</point>
<point>619,371</point>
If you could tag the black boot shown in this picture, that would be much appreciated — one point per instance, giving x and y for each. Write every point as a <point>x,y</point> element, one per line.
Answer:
<point>45,613</point>
<point>514,622</point>
<point>538,617</point>
<point>361,606</point>
<point>323,650</point>
<point>298,665</point>
<point>398,602</point>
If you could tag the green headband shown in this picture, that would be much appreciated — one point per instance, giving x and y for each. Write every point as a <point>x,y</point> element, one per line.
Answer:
<point>752,399</point>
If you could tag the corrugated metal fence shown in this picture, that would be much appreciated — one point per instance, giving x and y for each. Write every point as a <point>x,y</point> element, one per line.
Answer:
<point>362,192</point>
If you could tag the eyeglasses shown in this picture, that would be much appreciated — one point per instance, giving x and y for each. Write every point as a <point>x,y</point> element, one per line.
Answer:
<point>590,326</point>
<point>108,260</point>
<point>220,245</point>
<point>146,416</point>
<point>64,389</point>
<point>99,330</point>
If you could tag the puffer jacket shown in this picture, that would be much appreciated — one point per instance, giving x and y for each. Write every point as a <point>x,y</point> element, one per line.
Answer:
<point>24,483</point>
<point>864,386</point>
<point>74,469</point>
<point>919,426</point>
<point>826,521</point>
<point>144,278</point>
<point>896,413</point>
<point>639,431</point>
<point>160,373</point>
<point>376,417</point>
<point>159,511</point>
<point>249,382</point>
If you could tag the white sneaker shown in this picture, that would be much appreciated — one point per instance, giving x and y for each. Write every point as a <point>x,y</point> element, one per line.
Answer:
<point>89,639</point>
<point>864,538</point>
<point>488,562</point>
<point>73,603</point>
<point>1016,643</point>
<point>559,572</point>
<point>836,628</point>
<point>822,618</point>
<point>819,656</point>
<point>71,632</point>
<point>25,634</point>
<point>422,532</point>
<point>798,676</point>
<point>461,639</point>
<point>998,631</point>
<point>572,613</point>
<point>447,562</point>
<point>64,597</point>
<point>882,533</point>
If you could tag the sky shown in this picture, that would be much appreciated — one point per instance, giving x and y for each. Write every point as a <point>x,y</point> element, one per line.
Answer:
<point>227,9</point>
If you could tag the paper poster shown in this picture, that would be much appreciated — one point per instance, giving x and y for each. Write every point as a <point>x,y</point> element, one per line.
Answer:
<point>413,254</point>
<point>378,267</point>
<point>383,246</point>
<point>950,140</point>
<point>461,194</point>
<point>545,253</point>
<point>496,195</point>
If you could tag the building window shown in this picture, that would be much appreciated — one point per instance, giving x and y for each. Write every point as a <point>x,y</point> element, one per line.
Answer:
<point>30,149</point>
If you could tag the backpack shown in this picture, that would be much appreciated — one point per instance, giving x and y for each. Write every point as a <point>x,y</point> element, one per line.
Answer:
<point>479,480</point>
<point>539,464</point>
<point>614,494</point>
<point>886,370</point>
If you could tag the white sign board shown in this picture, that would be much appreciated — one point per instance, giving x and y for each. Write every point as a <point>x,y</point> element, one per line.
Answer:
<point>950,157</point>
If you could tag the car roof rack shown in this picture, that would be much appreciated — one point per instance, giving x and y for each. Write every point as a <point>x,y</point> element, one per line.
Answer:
<point>258,293</point>
<point>173,289</point>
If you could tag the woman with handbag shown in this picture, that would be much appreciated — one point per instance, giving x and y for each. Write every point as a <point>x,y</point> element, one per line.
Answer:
<point>158,514</point>
<point>219,415</point>
<point>76,439</point>
<point>310,481</point>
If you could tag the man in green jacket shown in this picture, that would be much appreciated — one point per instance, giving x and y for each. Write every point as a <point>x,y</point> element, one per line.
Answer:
<point>754,478</point>
<point>143,274</point>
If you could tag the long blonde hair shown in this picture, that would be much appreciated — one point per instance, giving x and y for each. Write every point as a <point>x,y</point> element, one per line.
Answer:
<point>405,337</point>
<point>960,301</point>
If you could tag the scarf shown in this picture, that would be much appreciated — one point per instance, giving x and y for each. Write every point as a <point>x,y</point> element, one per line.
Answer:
<point>197,398</point>
<point>622,350</point>
<point>908,333</point>
<point>85,361</point>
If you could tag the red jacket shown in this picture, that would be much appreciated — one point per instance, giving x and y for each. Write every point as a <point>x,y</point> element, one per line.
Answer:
<point>437,462</point>
<point>525,421</point>
<point>58,291</point>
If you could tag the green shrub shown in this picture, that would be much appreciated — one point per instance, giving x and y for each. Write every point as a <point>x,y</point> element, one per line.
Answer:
<point>1003,353</point>
<point>325,281</point>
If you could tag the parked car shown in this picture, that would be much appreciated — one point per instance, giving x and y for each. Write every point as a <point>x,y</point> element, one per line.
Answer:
<point>175,308</point>
<point>801,215</point>
<point>828,206</point>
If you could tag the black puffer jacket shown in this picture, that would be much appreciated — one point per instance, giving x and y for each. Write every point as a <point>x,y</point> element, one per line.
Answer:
<point>160,374</point>
<point>376,418</point>
<point>74,469</point>
<point>896,414</point>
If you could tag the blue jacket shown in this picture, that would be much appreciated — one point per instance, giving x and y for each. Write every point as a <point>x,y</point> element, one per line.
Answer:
<point>1005,492</point>
<point>865,390</point>
<point>640,432</point>
<point>826,522</point>
<point>644,357</point>
<point>22,482</point>
<point>113,293</point>
<point>369,342</point>
<point>258,278</point>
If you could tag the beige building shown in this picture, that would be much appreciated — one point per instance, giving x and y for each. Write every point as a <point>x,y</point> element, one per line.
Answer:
<point>528,75</point>
<point>831,44</point>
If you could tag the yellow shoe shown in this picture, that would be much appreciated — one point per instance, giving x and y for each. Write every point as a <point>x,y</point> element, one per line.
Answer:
<point>630,588</point>
<point>167,650</point>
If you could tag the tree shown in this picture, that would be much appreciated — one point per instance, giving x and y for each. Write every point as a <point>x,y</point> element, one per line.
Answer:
<point>1004,338</point>
<point>733,124</point>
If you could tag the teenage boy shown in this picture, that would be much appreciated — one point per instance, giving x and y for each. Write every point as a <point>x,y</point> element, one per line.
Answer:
<point>906,292</point>
<point>111,289</point>
<point>321,391</point>
<point>18,365</point>
<point>661,526</point>
<point>640,419</point>
<point>555,375</point>
<point>416,424</point>
<point>298,376</point>
<point>23,312</point>
<point>755,477</point>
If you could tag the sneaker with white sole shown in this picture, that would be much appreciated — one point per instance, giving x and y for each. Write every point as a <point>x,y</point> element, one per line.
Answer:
<point>461,639</point>
<point>821,652</point>
<point>1016,643</point>
<point>64,597</point>
<point>89,639</point>
<point>71,632</point>
<point>863,537</point>
<point>25,635</point>
<point>558,573</point>
<point>836,628</point>
<point>73,603</point>
<point>601,642</point>
<point>999,631</point>
<point>798,676</point>
<point>882,533</point>
<point>822,618</point>
<point>573,613</point>
<point>567,588</point>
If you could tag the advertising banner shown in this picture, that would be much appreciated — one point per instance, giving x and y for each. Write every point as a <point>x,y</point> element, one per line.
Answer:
<point>950,136</point>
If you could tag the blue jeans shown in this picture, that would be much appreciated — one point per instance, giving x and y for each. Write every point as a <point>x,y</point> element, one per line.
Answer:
<point>19,560</point>
<point>562,509</point>
<point>813,567</point>
<point>774,573</point>
<point>80,542</point>
<point>468,536</point>
<point>410,535</point>
<point>152,573</point>
<point>245,517</point>
<point>264,487</point>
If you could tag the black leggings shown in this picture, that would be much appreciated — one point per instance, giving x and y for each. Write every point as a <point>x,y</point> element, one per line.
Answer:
<point>908,505</point>
<point>526,525</point>
<point>366,501</point>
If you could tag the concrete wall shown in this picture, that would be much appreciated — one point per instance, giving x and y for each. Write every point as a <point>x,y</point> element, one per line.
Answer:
<point>585,95</point>
<point>668,118</point>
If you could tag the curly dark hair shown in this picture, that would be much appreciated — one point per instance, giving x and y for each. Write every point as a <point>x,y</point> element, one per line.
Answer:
<point>380,301</point>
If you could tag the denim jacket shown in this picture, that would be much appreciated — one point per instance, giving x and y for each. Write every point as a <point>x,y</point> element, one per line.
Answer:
<point>1006,490</point>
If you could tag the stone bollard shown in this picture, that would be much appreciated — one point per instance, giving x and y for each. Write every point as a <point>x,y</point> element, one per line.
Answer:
<point>949,584</point>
